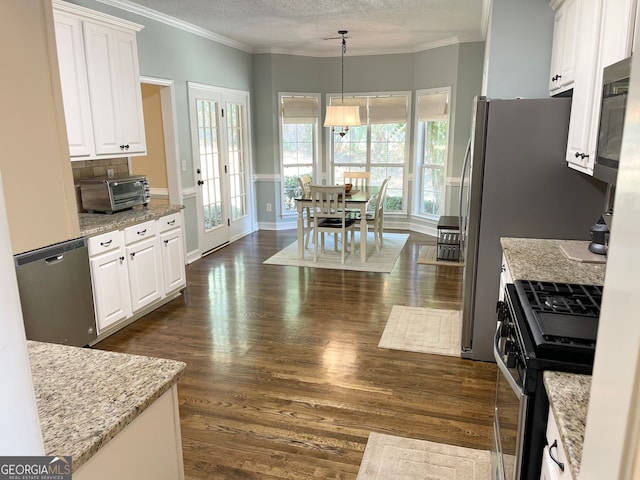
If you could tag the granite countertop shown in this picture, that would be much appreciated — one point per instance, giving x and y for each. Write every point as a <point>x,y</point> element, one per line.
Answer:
<point>95,223</point>
<point>538,259</point>
<point>85,396</point>
<point>569,401</point>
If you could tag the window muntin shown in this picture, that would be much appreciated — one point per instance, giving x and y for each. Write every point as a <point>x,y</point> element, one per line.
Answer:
<point>433,137</point>
<point>299,118</point>
<point>379,145</point>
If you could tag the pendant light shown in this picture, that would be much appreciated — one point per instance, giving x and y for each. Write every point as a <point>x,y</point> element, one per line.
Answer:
<point>343,116</point>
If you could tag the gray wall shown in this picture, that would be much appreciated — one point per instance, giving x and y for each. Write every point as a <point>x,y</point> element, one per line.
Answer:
<point>518,52</point>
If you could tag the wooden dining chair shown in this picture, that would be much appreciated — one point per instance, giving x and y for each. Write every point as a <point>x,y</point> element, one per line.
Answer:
<point>327,205</point>
<point>375,218</point>
<point>305,185</point>
<point>359,180</point>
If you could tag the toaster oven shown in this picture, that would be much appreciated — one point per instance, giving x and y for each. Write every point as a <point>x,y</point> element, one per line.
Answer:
<point>110,195</point>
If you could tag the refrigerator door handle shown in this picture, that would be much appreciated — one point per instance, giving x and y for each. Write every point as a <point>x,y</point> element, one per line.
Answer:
<point>463,229</point>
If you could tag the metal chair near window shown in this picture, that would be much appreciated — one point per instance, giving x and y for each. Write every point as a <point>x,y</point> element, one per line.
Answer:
<point>305,185</point>
<point>375,218</point>
<point>329,215</point>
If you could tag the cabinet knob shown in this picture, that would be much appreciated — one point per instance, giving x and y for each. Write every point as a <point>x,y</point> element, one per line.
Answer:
<point>582,155</point>
<point>121,259</point>
<point>124,147</point>
<point>133,254</point>
<point>166,242</point>
<point>556,78</point>
<point>200,182</point>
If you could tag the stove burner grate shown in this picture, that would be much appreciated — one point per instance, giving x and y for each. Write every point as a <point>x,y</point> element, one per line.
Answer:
<point>565,298</point>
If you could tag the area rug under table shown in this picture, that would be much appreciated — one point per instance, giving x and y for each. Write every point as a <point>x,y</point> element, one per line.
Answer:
<point>387,457</point>
<point>382,261</point>
<point>425,330</point>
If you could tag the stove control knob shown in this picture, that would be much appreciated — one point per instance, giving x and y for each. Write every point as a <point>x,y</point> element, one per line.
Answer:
<point>512,359</point>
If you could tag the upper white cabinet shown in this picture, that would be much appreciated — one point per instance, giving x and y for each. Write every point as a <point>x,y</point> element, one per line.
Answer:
<point>565,45</point>
<point>604,34</point>
<point>99,73</point>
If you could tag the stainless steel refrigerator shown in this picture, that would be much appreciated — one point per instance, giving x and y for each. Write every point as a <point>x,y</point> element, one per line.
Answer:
<point>516,183</point>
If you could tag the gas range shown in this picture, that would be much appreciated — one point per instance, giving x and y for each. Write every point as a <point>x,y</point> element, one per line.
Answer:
<point>562,319</point>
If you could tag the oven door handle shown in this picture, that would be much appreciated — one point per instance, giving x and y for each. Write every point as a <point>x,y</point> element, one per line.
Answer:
<point>517,389</point>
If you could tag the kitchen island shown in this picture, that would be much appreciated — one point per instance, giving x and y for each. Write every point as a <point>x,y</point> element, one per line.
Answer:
<point>115,414</point>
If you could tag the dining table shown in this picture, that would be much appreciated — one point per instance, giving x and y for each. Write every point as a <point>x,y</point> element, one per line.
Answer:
<point>354,200</point>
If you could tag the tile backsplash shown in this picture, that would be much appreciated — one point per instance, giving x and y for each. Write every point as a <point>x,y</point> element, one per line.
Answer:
<point>98,168</point>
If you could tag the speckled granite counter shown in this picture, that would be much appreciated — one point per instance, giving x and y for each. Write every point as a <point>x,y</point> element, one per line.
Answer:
<point>536,259</point>
<point>569,401</point>
<point>95,223</point>
<point>85,397</point>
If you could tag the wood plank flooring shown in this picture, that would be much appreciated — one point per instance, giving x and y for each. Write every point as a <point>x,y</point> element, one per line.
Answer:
<point>284,377</point>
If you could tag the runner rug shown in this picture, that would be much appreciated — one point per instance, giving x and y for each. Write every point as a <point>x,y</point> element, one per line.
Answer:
<point>427,256</point>
<point>388,457</point>
<point>425,330</point>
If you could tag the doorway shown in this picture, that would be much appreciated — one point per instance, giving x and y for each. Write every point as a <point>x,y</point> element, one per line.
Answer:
<point>222,163</point>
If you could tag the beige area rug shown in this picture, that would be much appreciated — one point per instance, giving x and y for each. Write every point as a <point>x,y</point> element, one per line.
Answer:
<point>424,330</point>
<point>387,457</point>
<point>428,256</point>
<point>382,261</point>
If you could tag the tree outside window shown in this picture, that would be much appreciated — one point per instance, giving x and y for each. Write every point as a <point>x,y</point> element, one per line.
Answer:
<point>378,146</point>
<point>298,143</point>
<point>433,134</point>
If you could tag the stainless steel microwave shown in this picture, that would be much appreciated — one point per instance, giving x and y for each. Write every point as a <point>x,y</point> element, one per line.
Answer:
<point>615,89</point>
<point>110,195</point>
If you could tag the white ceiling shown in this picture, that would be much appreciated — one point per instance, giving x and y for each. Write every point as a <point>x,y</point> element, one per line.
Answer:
<point>300,27</point>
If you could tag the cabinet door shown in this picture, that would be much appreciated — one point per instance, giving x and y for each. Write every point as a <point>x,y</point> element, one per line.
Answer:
<point>173,260</point>
<point>110,288</point>
<point>565,46</point>
<point>145,273</point>
<point>114,88</point>
<point>73,79</point>
<point>129,94</point>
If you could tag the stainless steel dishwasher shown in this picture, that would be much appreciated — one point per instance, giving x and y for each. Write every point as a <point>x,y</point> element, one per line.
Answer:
<point>56,295</point>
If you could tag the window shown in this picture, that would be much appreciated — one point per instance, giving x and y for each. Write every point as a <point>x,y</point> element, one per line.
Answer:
<point>432,110</point>
<point>298,143</point>
<point>379,145</point>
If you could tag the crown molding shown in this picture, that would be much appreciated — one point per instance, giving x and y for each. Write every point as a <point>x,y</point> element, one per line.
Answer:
<point>174,22</point>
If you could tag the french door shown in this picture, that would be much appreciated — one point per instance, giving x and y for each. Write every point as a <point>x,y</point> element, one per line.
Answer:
<point>220,143</point>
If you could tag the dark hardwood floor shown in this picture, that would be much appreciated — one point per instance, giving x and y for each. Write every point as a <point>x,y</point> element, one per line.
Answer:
<point>284,376</point>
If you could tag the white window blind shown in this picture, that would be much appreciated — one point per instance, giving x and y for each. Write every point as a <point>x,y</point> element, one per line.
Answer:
<point>433,107</point>
<point>388,109</point>
<point>300,110</point>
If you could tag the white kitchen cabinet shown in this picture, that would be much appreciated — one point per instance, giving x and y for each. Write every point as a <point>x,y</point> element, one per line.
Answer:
<point>144,264</point>
<point>554,458</point>
<point>565,45</point>
<point>75,86</point>
<point>505,277</point>
<point>110,279</point>
<point>99,73</point>
<point>605,37</point>
<point>172,252</point>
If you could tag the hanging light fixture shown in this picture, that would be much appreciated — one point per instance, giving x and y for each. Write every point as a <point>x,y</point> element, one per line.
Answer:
<point>343,116</point>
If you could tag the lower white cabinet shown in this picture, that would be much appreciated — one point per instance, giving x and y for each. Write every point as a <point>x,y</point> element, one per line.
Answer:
<point>172,252</point>
<point>144,263</point>
<point>554,458</point>
<point>133,268</point>
<point>110,279</point>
